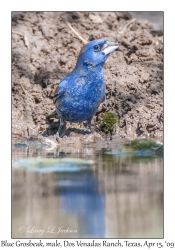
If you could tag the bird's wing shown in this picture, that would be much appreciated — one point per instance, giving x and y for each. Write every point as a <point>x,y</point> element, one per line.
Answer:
<point>60,90</point>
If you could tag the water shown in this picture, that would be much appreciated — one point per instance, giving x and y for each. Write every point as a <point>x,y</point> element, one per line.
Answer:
<point>116,197</point>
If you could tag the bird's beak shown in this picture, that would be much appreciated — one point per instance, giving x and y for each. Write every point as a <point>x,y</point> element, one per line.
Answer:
<point>109,47</point>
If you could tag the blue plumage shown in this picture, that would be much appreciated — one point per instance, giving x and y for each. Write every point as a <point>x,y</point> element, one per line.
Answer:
<point>79,94</point>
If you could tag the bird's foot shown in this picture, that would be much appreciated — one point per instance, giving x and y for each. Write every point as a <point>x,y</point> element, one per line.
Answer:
<point>59,134</point>
<point>89,125</point>
<point>62,129</point>
<point>91,130</point>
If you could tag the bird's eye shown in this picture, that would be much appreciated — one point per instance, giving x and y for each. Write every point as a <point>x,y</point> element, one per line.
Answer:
<point>96,47</point>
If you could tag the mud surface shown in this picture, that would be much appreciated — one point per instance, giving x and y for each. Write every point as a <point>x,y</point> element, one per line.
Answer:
<point>134,75</point>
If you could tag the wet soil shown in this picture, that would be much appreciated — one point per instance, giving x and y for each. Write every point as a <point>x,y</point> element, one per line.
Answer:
<point>134,74</point>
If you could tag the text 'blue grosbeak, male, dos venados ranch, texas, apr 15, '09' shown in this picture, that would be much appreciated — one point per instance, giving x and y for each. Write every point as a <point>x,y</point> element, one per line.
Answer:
<point>78,95</point>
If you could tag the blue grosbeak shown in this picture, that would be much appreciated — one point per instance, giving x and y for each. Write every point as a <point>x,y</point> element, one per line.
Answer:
<point>78,95</point>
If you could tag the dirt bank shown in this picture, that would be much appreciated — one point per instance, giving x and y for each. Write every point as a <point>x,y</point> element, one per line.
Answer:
<point>48,52</point>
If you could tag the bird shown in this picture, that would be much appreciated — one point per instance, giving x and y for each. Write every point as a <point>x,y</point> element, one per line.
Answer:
<point>78,96</point>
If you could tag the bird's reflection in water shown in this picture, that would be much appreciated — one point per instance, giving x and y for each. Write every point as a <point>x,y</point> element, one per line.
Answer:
<point>82,195</point>
<point>119,197</point>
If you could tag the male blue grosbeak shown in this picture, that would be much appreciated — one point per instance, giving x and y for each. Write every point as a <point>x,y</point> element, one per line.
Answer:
<point>78,95</point>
